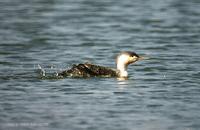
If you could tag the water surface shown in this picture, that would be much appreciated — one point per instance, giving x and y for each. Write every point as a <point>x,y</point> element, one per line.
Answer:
<point>162,93</point>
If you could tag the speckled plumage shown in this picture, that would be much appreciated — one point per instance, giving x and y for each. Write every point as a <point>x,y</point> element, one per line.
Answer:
<point>89,70</point>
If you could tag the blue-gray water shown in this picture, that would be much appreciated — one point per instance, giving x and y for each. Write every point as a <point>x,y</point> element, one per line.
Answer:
<point>162,93</point>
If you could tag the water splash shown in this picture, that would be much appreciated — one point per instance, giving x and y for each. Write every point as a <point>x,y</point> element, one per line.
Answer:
<point>48,72</point>
<point>42,71</point>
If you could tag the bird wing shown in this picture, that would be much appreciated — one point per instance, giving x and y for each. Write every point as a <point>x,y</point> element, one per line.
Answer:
<point>89,70</point>
<point>97,70</point>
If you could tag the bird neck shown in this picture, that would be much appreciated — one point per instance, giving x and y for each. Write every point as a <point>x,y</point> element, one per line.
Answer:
<point>122,69</point>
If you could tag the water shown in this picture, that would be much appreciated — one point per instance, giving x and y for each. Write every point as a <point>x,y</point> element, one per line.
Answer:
<point>162,93</point>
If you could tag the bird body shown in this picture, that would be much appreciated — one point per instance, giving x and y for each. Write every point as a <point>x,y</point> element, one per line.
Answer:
<point>91,70</point>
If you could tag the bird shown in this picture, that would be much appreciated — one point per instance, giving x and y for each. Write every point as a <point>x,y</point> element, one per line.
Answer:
<point>91,70</point>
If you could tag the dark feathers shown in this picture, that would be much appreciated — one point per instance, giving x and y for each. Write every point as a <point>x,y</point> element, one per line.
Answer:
<point>89,70</point>
<point>130,53</point>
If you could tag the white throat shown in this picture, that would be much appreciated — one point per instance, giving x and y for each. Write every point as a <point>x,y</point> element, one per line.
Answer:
<point>122,70</point>
<point>122,66</point>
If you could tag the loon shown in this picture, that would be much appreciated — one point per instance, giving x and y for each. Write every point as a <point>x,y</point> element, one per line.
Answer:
<point>91,70</point>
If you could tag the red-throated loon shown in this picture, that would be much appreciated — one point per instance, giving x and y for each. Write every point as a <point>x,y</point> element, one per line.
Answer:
<point>91,70</point>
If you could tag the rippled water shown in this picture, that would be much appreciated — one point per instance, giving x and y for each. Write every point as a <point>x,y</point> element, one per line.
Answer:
<point>162,93</point>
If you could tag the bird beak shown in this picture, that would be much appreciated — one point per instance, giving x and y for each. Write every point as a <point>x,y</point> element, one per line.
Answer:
<point>142,58</point>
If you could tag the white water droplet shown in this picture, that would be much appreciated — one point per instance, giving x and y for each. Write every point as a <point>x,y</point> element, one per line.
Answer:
<point>42,71</point>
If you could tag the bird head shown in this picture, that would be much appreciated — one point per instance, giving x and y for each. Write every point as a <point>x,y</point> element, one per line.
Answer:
<point>127,57</point>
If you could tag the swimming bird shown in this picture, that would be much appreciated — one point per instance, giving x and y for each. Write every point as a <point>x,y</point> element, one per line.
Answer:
<point>91,70</point>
